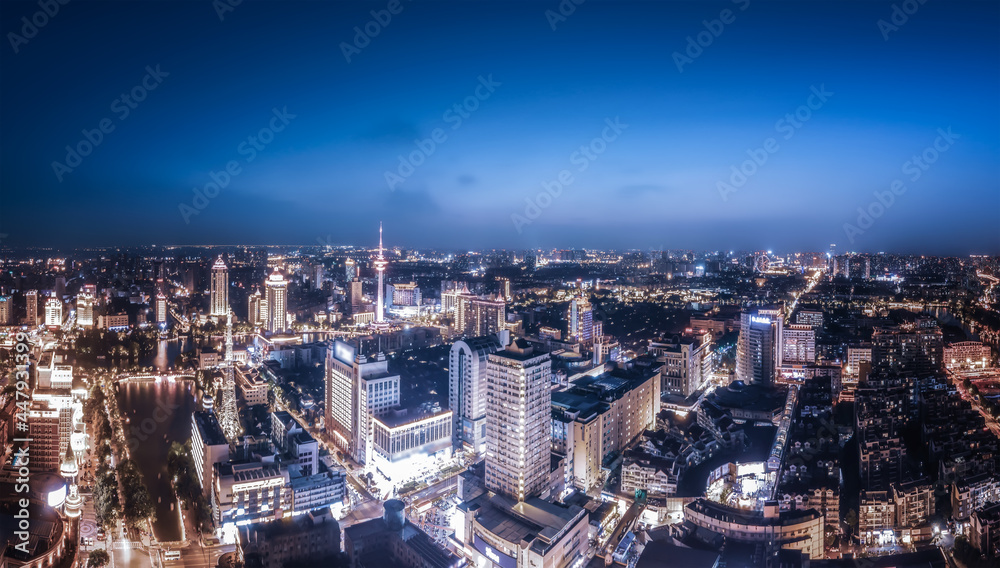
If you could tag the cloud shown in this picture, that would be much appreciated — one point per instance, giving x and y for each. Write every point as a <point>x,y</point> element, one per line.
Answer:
<point>466,180</point>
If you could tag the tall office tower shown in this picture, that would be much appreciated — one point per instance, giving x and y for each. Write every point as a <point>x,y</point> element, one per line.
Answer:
<point>31,297</point>
<point>350,269</point>
<point>161,308</point>
<point>798,344</point>
<point>318,273</point>
<point>256,311</point>
<point>380,264</point>
<point>229,417</point>
<point>220,288</point>
<point>467,389</point>
<point>356,297</point>
<point>85,310</point>
<point>277,306</point>
<point>505,289</point>
<point>758,349</point>
<point>581,320</point>
<point>476,316</point>
<point>6,310</point>
<point>868,268</point>
<point>357,388</point>
<point>573,316</point>
<point>53,312</point>
<point>518,421</point>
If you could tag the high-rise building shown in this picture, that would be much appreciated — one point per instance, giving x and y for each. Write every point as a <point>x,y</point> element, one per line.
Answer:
<point>581,320</point>
<point>467,389</point>
<point>256,308</point>
<point>220,288</point>
<point>31,298</point>
<point>350,269</point>
<point>798,344</point>
<point>505,289</point>
<point>277,307</point>
<point>356,297</point>
<point>161,309</point>
<point>518,421</point>
<point>85,310</point>
<point>53,312</point>
<point>6,310</point>
<point>683,363</point>
<point>357,388</point>
<point>758,349</point>
<point>477,316</point>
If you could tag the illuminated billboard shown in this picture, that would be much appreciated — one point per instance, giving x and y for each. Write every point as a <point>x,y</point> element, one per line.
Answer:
<point>343,352</point>
<point>495,556</point>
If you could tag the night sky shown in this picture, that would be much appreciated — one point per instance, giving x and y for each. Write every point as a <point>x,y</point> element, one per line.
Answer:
<point>533,95</point>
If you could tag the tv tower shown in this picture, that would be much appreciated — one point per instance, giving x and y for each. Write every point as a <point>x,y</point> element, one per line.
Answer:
<point>229,417</point>
<point>380,264</point>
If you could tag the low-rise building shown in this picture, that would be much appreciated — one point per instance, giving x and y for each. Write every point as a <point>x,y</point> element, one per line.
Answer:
<point>253,386</point>
<point>984,531</point>
<point>970,494</point>
<point>311,538</point>
<point>392,540</point>
<point>797,530</point>
<point>502,532</point>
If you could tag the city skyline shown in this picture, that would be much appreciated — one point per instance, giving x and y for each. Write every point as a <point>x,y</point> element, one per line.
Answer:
<point>880,97</point>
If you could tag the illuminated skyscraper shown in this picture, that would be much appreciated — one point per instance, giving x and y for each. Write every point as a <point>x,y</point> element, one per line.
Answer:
<point>161,309</point>
<point>467,389</point>
<point>256,308</point>
<point>518,421</point>
<point>53,312</point>
<point>277,307</point>
<point>380,264</point>
<point>350,269</point>
<point>759,347</point>
<point>31,297</point>
<point>220,288</point>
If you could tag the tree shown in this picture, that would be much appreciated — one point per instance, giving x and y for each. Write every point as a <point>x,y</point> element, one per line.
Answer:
<point>106,505</point>
<point>852,520</point>
<point>98,558</point>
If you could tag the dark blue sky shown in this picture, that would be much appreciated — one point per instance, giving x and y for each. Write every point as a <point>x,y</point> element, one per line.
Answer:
<point>323,176</point>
